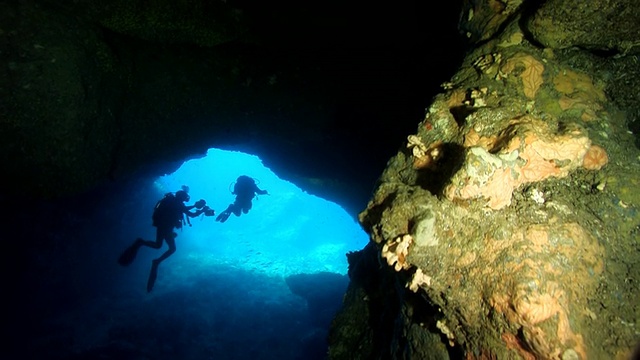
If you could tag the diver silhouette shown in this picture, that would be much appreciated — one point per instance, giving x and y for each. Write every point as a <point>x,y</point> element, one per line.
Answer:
<point>169,213</point>
<point>245,189</point>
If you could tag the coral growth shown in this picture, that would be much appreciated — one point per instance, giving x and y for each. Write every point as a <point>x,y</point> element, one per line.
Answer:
<point>418,280</point>
<point>595,158</point>
<point>527,151</point>
<point>456,98</point>
<point>531,76</point>
<point>543,302</point>
<point>396,251</point>
<point>424,157</point>
<point>579,93</point>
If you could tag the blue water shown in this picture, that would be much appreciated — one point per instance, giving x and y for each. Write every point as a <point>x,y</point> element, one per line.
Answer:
<point>286,232</point>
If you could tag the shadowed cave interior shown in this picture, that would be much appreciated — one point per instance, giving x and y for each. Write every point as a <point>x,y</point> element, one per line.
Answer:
<point>239,290</point>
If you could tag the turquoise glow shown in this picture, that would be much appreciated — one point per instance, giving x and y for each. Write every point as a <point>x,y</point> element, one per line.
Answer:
<point>286,232</point>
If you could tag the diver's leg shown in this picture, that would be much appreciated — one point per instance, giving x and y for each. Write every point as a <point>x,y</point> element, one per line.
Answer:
<point>171,241</point>
<point>247,206</point>
<point>161,234</point>
<point>127,257</point>
<point>237,208</point>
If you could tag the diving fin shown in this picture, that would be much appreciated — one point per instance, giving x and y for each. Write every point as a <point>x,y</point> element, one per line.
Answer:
<point>152,275</point>
<point>223,216</point>
<point>129,254</point>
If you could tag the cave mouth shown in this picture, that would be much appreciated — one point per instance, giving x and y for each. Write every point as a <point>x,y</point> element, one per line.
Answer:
<point>265,284</point>
<point>286,232</point>
<point>273,277</point>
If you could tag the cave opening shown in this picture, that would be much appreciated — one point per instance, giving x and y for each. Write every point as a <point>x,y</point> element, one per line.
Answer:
<point>287,231</point>
<point>266,283</point>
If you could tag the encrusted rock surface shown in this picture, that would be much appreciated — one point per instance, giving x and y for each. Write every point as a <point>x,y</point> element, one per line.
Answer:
<point>603,25</point>
<point>508,226</point>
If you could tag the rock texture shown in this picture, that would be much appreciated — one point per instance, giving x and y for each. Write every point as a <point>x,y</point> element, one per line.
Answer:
<point>507,228</point>
<point>602,25</point>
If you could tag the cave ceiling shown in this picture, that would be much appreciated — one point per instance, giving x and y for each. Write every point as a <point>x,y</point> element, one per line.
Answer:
<point>323,93</point>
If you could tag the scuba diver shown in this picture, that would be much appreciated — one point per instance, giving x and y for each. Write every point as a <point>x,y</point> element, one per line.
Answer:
<point>245,189</point>
<point>170,212</point>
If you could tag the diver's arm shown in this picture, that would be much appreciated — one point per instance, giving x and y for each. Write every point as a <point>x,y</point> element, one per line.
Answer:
<point>187,211</point>
<point>259,191</point>
<point>193,214</point>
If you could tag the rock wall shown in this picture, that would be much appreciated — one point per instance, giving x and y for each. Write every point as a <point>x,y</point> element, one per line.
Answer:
<point>508,226</point>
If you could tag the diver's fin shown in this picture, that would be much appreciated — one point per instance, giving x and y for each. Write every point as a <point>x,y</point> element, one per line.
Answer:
<point>152,275</point>
<point>129,254</point>
<point>223,216</point>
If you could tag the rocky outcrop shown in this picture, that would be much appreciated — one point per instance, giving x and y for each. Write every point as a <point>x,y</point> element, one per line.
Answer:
<point>507,226</point>
<point>608,26</point>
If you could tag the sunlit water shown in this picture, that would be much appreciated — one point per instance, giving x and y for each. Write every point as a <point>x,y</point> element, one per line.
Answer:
<point>286,232</point>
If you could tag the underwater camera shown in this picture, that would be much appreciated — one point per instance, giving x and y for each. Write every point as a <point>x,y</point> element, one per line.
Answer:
<point>208,211</point>
<point>200,204</point>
